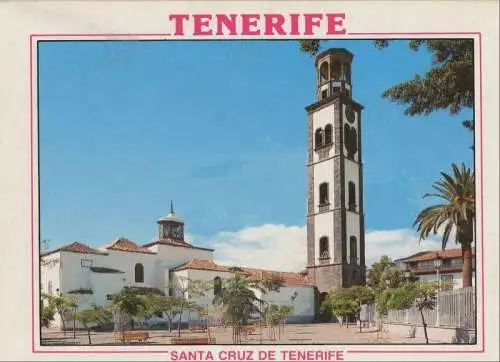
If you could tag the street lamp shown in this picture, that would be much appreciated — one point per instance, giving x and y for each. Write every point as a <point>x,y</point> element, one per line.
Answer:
<point>438,262</point>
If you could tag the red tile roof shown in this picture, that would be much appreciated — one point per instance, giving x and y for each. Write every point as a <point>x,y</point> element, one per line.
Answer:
<point>77,247</point>
<point>287,277</point>
<point>250,273</point>
<point>198,264</point>
<point>123,244</point>
<point>433,255</point>
<point>176,243</point>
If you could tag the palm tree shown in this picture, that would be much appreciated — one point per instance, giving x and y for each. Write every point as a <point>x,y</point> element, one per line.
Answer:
<point>456,213</point>
<point>239,303</point>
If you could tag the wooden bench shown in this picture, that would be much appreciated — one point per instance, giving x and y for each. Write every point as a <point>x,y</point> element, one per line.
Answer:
<point>248,329</point>
<point>134,336</point>
<point>198,328</point>
<point>192,340</point>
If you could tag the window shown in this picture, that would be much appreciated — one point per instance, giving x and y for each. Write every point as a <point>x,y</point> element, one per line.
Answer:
<point>323,248</point>
<point>50,287</point>
<point>323,194</point>
<point>86,263</point>
<point>323,72</point>
<point>318,138</point>
<point>336,70</point>
<point>352,196</point>
<point>347,70</point>
<point>324,93</point>
<point>217,286</point>
<point>427,264</point>
<point>353,248</point>
<point>139,273</point>
<point>328,134</point>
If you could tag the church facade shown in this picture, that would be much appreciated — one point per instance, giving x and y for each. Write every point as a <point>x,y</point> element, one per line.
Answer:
<point>335,224</point>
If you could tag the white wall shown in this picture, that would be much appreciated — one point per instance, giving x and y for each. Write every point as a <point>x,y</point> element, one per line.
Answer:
<point>171,256</point>
<point>324,172</point>
<point>50,273</point>
<point>303,306</point>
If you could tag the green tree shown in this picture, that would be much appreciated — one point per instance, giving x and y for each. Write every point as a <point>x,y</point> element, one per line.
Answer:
<point>239,303</point>
<point>62,305</point>
<point>47,312</point>
<point>161,305</point>
<point>362,294</point>
<point>448,85</point>
<point>384,274</point>
<point>94,315</point>
<point>342,303</point>
<point>455,214</point>
<point>269,282</point>
<point>130,302</point>
<point>422,294</point>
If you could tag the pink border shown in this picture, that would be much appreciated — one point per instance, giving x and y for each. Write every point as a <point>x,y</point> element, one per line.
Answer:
<point>32,39</point>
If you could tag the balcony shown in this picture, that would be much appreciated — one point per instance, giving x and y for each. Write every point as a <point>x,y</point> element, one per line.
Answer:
<point>324,207</point>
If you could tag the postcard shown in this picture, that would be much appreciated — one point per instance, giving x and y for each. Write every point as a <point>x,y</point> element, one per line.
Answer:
<point>250,181</point>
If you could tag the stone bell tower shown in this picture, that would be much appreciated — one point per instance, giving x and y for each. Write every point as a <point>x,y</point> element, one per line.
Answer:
<point>335,219</point>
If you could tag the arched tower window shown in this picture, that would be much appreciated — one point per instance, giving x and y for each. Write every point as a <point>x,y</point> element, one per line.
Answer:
<point>318,138</point>
<point>353,248</point>
<point>323,194</point>
<point>139,273</point>
<point>336,69</point>
<point>323,248</point>
<point>328,134</point>
<point>323,72</point>
<point>352,196</point>
<point>217,286</point>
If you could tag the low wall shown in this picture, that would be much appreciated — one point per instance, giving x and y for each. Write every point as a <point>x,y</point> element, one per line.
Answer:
<point>435,335</point>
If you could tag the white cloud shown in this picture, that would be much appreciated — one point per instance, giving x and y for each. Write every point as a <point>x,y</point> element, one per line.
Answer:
<point>396,244</point>
<point>281,247</point>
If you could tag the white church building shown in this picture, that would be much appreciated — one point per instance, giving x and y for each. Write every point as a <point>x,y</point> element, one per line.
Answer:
<point>335,222</point>
<point>93,274</point>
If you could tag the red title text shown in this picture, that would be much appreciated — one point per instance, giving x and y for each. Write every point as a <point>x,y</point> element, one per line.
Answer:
<point>275,25</point>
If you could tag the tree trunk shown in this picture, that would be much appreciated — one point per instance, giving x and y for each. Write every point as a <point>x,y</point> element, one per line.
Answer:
<point>88,332</point>
<point>424,326</point>
<point>179,325</point>
<point>132,323</point>
<point>63,325</point>
<point>467,265</point>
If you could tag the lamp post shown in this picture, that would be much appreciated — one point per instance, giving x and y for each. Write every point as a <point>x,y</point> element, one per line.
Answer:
<point>437,264</point>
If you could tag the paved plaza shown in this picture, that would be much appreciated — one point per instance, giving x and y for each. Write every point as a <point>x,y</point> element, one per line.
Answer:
<point>327,333</point>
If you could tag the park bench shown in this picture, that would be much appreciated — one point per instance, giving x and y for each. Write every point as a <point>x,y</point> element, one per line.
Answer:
<point>249,329</point>
<point>134,336</point>
<point>198,328</point>
<point>192,340</point>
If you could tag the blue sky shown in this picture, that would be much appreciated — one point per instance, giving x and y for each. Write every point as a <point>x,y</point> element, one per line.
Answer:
<point>220,128</point>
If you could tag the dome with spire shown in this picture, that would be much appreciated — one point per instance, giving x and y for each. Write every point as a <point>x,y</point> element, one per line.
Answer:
<point>171,215</point>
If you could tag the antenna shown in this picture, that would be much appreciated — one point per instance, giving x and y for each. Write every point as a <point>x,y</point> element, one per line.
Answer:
<point>171,207</point>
